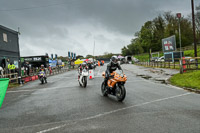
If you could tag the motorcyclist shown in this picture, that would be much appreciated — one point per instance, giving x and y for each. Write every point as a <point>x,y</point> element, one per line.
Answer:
<point>112,66</point>
<point>90,66</point>
<point>42,68</point>
<point>81,67</point>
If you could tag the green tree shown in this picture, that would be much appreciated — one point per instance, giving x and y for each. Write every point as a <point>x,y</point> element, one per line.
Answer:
<point>89,56</point>
<point>152,32</point>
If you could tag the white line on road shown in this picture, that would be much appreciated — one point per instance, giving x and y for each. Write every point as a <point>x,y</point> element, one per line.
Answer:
<point>114,111</point>
<point>21,91</point>
<point>51,129</point>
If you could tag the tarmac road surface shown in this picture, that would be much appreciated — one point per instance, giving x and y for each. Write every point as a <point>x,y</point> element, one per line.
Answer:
<point>63,106</point>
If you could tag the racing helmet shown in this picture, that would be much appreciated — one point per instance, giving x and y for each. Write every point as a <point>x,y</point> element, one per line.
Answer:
<point>114,59</point>
<point>84,64</point>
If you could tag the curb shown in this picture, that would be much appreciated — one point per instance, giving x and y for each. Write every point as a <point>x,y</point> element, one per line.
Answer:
<point>185,88</point>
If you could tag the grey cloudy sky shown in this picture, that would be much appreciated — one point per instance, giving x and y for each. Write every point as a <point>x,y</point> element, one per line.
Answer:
<point>59,26</point>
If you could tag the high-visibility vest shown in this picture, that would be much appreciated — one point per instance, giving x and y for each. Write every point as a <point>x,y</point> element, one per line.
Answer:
<point>11,67</point>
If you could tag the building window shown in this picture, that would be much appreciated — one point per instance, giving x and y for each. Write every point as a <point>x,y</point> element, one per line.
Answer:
<point>5,39</point>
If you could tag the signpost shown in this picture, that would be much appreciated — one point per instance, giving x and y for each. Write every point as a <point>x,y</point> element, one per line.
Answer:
<point>179,17</point>
<point>169,46</point>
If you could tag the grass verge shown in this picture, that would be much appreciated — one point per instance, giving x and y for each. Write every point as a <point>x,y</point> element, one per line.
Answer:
<point>188,79</point>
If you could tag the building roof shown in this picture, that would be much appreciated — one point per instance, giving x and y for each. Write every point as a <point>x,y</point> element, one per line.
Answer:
<point>10,30</point>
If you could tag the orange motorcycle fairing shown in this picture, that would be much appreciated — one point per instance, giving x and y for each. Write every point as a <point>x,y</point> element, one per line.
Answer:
<point>116,78</point>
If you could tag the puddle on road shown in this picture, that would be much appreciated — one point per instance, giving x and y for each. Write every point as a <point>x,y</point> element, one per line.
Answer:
<point>147,77</point>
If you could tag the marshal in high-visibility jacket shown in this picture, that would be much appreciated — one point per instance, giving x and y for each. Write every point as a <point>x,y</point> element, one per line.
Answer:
<point>11,66</point>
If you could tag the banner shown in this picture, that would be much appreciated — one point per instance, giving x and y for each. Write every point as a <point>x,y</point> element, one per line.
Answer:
<point>52,56</point>
<point>72,55</point>
<point>52,63</point>
<point>68,54</point>
<point>59,62</point>
<point>3,87</point>
<point>169,44</point>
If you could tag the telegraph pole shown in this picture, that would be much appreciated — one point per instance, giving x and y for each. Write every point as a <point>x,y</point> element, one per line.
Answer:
<point>194,31</point>
<point>179,17</point>
<point>93,51</point>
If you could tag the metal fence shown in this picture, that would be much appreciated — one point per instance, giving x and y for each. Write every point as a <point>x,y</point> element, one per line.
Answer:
<point>184,64</point>
<point>14,77</point>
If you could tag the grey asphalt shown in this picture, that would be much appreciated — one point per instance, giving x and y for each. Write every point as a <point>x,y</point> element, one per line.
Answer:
<point>62,106</point>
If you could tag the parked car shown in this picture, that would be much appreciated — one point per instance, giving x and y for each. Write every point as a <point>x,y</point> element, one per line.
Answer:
<point>135,59</point>
<point>128,59</point>
<point>161,59</point>
<point>153,59</point>
<point>188,59</point>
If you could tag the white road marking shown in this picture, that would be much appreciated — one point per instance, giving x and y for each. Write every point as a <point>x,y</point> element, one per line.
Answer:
<point>20,91</point>
<point>51,129</point>
<point>175,87</point>
<point>114,111</point>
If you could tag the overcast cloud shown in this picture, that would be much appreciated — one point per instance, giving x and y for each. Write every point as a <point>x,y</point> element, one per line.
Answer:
<point>59,26</point>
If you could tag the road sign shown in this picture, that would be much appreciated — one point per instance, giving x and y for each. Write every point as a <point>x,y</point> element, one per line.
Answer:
<point>169,44</point>
<point>178,15</point>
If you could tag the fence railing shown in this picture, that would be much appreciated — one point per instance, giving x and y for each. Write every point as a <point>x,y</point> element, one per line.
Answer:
<point>188,64</point>
<point>14,77</point>
<point>161,64</point>
<point>184,64</point>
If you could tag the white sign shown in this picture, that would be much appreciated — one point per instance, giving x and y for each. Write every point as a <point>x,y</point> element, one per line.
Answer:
<point>37,58</point>
<point>16,63</point>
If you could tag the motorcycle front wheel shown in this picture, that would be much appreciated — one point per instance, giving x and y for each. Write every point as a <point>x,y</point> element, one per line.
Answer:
<point>42,81</point>
<point>120,93</point>
<point>103,89</point>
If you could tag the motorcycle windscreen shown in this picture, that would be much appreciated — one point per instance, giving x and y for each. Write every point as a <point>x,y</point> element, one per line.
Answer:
<point>3,88</point>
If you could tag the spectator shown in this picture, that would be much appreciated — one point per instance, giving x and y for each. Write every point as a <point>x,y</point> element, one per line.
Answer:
<point>11,67</point>
<point>27,68</point>
<point>1,72</point>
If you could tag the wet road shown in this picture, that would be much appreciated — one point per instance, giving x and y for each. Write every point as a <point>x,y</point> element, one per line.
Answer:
<point>63,106</point>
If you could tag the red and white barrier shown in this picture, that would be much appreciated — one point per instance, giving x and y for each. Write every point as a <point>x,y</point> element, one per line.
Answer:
<point>91,74</point>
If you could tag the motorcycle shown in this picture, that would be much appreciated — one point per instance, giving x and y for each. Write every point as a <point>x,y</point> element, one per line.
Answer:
<point>83,78</point>
<point>115,85</point>
<point>42,77</point>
